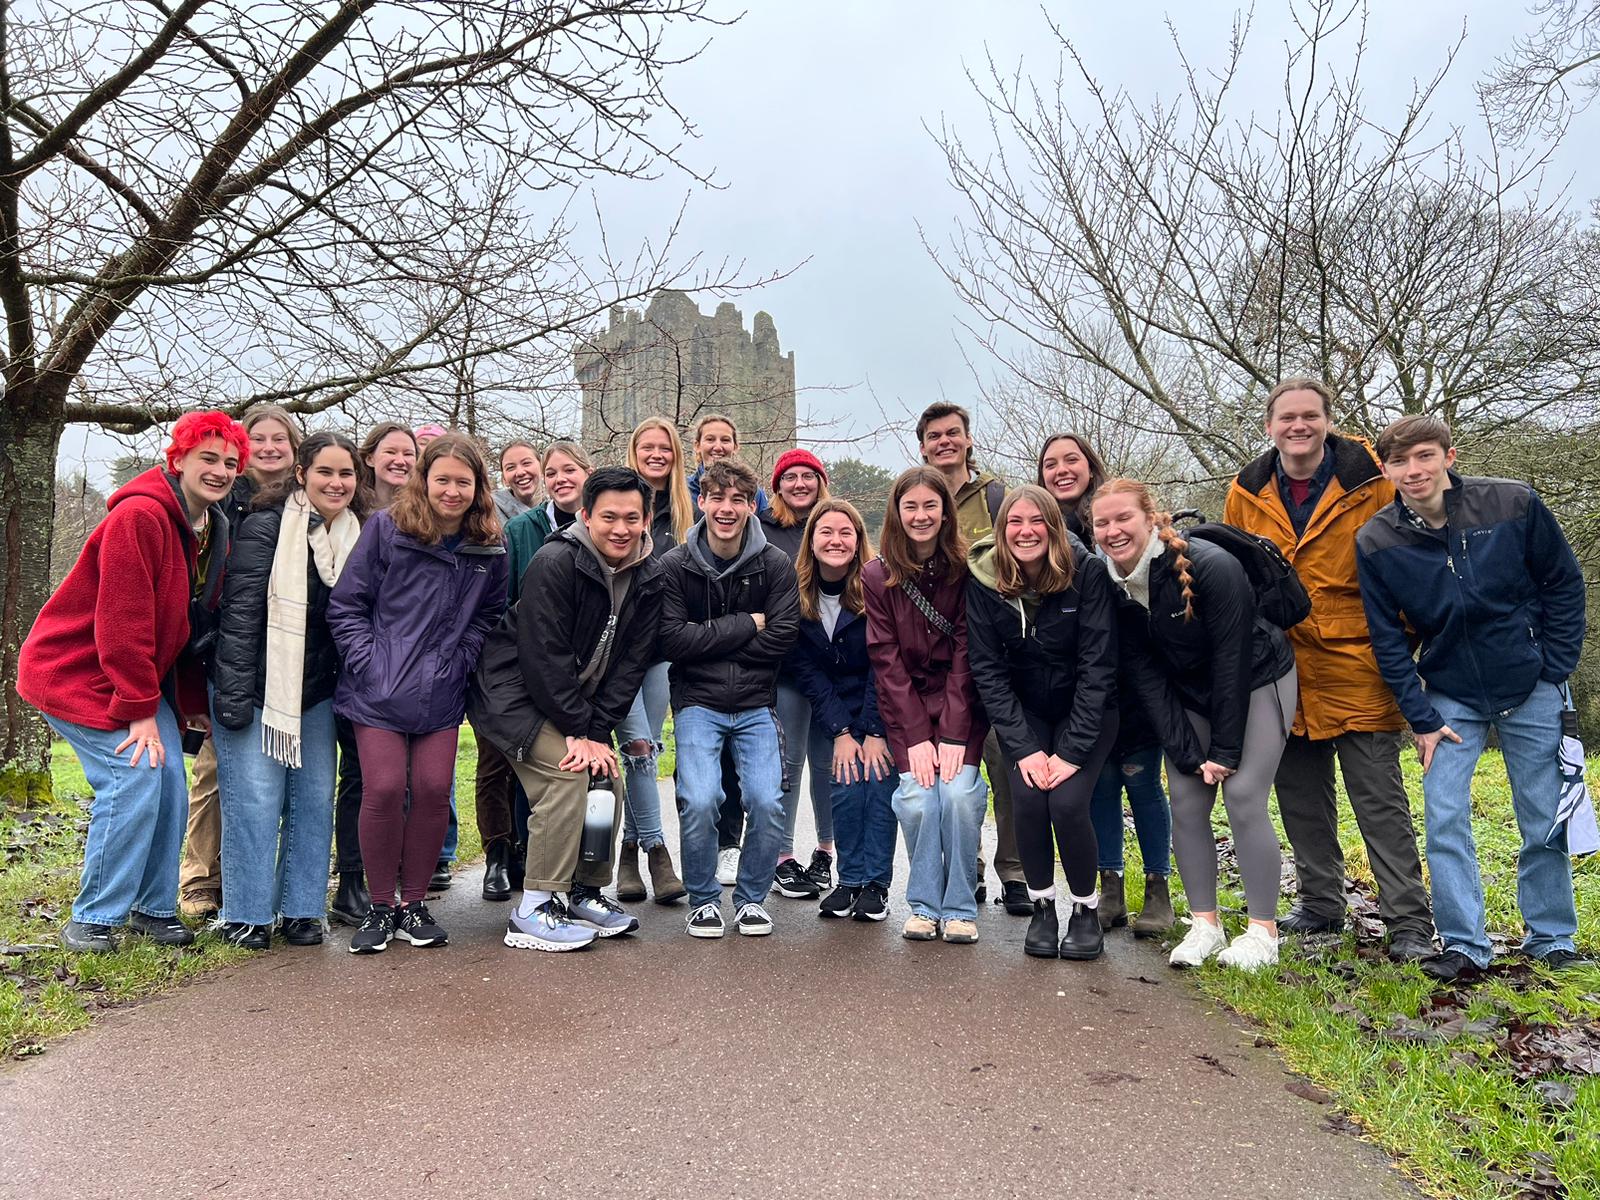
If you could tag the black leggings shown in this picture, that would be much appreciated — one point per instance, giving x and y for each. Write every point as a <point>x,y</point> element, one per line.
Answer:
<point>1064,810</point>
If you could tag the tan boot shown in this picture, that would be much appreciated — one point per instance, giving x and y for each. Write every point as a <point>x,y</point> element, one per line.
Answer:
<point>630,885</point>
<point>664,881</point>
<point>1113,901</point>
<point>1155,918</point>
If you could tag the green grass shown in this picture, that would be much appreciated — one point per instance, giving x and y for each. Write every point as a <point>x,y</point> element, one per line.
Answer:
<point>1451,1109</point>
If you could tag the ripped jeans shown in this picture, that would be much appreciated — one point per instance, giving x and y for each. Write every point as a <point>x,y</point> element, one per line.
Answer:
<point>1140,773</point>
<point>641,807</point>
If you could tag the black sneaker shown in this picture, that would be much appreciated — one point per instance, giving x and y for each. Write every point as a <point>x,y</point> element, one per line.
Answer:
<point>443,874</point>
<point>839,902</point>
<point>377,927</point>
<point>247,937</point>
<point>302,931</point>
<point>706,921</point>
<point>87,938</point>
<point>1014,896</point>
<point>163,931</point>
<point>872,903</point>
<point>753,921</point>
<point>1561,960</point>
<point>792,880</point>
<point>820,872</point>
<point>1451,967</point>
<point>417,926</point>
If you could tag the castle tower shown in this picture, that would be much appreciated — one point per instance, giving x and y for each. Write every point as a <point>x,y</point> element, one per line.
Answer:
<point>674,361</point>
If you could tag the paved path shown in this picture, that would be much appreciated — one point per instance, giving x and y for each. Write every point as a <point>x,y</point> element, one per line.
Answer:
<point>832,1059</point>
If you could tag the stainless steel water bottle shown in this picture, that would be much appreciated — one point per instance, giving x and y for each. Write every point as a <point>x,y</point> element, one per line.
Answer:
<point>599,820</point>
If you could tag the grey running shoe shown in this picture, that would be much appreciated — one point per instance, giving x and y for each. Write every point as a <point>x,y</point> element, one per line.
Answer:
<point>550,928</point>
<point>592,907</point>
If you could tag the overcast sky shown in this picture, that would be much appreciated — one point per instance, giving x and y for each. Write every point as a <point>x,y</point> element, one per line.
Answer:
<point>812,115</point>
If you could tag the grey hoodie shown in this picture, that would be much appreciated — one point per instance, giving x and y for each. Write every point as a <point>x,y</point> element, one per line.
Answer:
<point>755,541</point>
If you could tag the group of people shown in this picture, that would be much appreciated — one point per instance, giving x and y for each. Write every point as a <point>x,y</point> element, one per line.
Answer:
<point>317,618</point>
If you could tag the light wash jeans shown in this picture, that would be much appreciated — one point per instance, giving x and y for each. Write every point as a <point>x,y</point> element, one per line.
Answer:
<point>136,823</point>
<point>1530,737</point>
<point>943,826</point>
<point>277,821</point>
<point>753,735</point>
<point>804,743</point>
<point>641,801</point>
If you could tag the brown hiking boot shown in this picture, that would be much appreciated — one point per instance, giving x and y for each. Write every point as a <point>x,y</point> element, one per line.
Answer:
<point>1113,902</point>
<point>200,907</point>
<point>630,884</point>
<point>1156,916</point>
<point>664,881</point>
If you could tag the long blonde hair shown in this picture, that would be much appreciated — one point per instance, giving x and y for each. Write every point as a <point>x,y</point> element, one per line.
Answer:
<point>677,483</point>
<point>1170,537</point>
<point>1055,573</point>
<point>806,571</point>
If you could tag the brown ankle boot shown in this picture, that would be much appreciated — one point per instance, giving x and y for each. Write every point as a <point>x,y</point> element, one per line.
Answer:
<point>1113,904</point>
<point>1156,916</point>
<point>630,885</point>
<point>664,880</point>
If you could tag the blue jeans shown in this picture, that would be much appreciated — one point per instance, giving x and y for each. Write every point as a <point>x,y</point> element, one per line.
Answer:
<point>136,823</point>
<point>277,821</point>
<point>753,736</point>
<point>1530,736</point>
<point>804,743</point>
<point>864,824</point>
<point>641,800</point>
<point>452,831</point>
<point>1140,774</point>
<point>943,826</point>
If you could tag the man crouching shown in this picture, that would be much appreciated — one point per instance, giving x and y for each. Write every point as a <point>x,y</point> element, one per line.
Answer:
<point>557,674</point>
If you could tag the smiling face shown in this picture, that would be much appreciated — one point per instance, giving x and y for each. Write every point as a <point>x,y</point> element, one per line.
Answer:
<point>519,470</point>
<point>330,481</point>
<point>271,451</point>
<point>206,473</point>
<point>1298,425</point>
<point>834,542</point>
<point>563,480</point>
<point>1420,473</point>
<point>945,443</point>
<point>921,512</point>
<point>717,440</point>
<point>1122,528</point>
<point>452,487</point>
<point>800,487</point>
<point>654,454</point>
<point>1065,471</point>
<point>727,511</point>
<point>393,459</point>
<point>1027,535</point>
<point>616,524</point>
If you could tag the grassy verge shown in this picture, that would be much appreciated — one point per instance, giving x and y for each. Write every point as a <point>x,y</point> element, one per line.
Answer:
<point>1489,1091</point>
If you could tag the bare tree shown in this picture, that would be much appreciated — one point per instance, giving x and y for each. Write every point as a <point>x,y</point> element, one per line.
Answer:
<point>1549,76</point>
<point>324,204</point>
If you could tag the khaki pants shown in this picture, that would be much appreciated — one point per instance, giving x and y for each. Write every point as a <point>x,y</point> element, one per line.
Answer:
<point>556,803</point>
<point>1007,863</point>
<point>200,876</point>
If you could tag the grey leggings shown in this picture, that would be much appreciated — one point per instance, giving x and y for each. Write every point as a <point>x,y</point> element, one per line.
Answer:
<point>1244,794</point>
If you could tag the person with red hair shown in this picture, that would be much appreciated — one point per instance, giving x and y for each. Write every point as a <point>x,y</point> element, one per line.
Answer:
<point>113,663</point>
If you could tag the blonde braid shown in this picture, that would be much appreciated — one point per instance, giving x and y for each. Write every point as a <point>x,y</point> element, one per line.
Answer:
<point>1175,542</point>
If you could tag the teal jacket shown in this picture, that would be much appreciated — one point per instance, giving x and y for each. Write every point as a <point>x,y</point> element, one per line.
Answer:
<point>525,533</point>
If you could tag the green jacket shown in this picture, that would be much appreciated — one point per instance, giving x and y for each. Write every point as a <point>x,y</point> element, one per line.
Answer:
<point>977,502</point>
<point>525,533</point>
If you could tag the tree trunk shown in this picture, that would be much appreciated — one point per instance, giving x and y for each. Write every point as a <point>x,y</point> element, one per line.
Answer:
<point>29,437</point>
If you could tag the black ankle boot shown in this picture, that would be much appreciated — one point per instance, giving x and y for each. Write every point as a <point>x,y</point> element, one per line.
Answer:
<point>1042,931</point>
<point>517,863</point>
<point>496,873</point>
<point>351,901</point>
<point>1085,939</point>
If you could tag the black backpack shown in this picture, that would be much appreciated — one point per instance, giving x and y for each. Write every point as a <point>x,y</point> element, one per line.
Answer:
<point>1280,596</point>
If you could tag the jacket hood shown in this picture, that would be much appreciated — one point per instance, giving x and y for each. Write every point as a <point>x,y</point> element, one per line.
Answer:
<point>154,484</point>
<point>1354,464</point>
<point>755,541</point>
<point>981,562</point>
<point>578,532</point>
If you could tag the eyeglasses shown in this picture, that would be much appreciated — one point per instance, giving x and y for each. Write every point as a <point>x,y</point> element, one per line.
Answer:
<point>798,477</point>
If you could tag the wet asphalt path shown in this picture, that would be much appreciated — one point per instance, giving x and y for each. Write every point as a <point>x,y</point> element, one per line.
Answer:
<point>832,1059</point>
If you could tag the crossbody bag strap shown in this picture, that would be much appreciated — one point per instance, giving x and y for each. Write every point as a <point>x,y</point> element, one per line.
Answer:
<point>925,606</point>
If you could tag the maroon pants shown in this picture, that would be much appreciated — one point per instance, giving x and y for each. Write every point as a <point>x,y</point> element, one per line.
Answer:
<point>401,841</point>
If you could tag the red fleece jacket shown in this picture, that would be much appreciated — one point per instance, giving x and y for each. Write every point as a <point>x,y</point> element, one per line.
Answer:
<point>117,624</point>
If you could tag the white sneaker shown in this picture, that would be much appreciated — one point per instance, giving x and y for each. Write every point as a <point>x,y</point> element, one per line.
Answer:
<point>728,866</point>
<point>1202,941</point>
<point>1251,950</point>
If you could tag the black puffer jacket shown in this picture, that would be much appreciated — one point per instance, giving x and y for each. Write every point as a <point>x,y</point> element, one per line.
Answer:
<point>239,663</point>
<point>719,660</point>
<point>1055,663</point>
<point>785,537</point>
<point>528,671</point>
<point>1209,664</point>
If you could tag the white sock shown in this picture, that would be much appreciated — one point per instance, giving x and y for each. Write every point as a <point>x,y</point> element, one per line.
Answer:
<point>1091,901</point>
<point>531,900</point>
<point>1048,893</point>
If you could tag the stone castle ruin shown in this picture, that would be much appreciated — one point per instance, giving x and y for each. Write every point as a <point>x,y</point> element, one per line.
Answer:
<point>674,361</point>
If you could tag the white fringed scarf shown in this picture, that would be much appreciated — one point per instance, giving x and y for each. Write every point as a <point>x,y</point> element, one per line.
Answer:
<point>328,545</point>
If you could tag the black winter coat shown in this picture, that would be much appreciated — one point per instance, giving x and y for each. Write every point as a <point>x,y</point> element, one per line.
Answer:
<point>528,672</point>
<point>1208,665</point>
<point>239,662</point>
<point>835,675</point>
<point>1060,666</point>
<point>719,660</point>
<point>785,537</point>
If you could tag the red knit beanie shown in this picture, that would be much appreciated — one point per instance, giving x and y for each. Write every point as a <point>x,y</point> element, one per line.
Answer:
<point>797,458</point>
